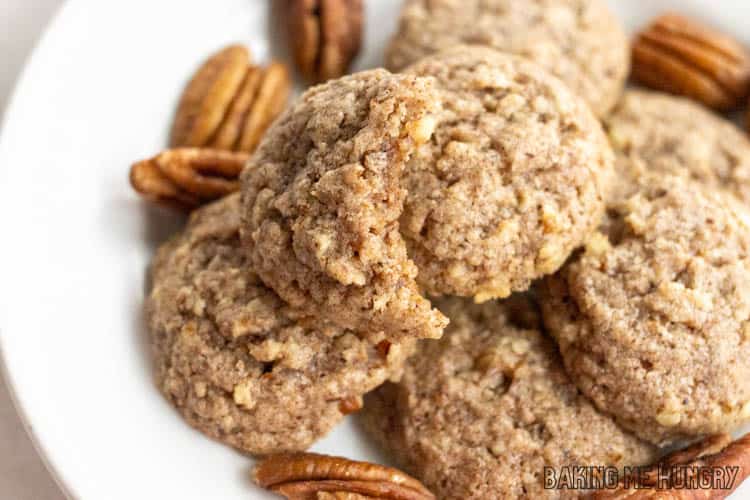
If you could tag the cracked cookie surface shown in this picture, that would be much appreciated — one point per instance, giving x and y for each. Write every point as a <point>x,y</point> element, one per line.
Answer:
<point>235,360</point>
<point>579,41</point>
<point>322,196</point>
<point>512,180</point>
<point>485,408</point>
<point>656,132</point>
<point>653,318</point>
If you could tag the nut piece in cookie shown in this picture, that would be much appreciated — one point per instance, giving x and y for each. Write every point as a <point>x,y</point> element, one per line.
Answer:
<point>235,360</point>
<point>682,475</point>
<point>310,475</point>
<point>512,181</point>
<point>653,319</point>
<point>324,36</point>
<point>487,407</point>
<point>665,134</point>
<point>322,197</point>
<point>681,56</point>
<point>579,41</point>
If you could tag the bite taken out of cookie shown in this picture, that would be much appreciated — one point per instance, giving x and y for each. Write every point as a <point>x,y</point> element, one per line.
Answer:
<point>512,180</point>
<point>322,197</point>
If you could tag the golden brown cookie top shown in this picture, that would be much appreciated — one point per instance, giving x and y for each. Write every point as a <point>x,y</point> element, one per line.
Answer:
<point>322,197</point>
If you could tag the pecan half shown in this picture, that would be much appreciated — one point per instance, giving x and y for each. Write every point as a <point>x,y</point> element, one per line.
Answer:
<point>230,130</point>
<point>229,103</point>
<point>270,100</point>
<point>305,476</point>
<point>208,95</point>
<point>187,177</point>
<point>340,495</point>
<point>681,56</point>
<point>325,36</point>
<point>152,184</point>
<point>711,454</point>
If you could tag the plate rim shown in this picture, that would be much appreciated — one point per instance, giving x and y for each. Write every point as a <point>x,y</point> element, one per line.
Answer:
<point>31,61</point>
<point>6,376</point>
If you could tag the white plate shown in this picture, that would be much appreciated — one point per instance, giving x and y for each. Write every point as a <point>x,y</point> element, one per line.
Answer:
<point>98,93</point>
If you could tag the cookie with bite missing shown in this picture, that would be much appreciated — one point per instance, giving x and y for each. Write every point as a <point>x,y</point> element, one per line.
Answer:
<point>512,180</point>
<point>322,196</point>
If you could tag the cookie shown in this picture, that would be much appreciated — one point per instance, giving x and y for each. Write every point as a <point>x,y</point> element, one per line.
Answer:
<point>656,132</point>
<point>653,318</point>
<point>322,196</point>
<point>512,180</point>
<point>579,41</point>
<point>235,360</point>
<point>482,411</point>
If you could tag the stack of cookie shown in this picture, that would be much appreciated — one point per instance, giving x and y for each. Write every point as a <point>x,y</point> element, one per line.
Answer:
<point>523,291</point>
<point>272,315</point>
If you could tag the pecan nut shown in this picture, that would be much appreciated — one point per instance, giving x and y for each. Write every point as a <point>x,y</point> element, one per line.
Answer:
<point>309,475</point>
<point>230,129</point>
<point>208,95</point>
<point>188,177</point>
<point>340,495</point>
<point>679,55</point>
<point>229,103</point>
<point>152,184</point>
<point>658,481</point>
<point>325,36</point>
<point>270,100</point>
